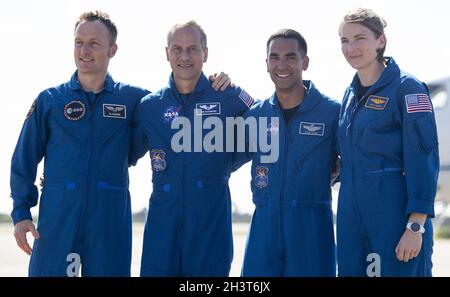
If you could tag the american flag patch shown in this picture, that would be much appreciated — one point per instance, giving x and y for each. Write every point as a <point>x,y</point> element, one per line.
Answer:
<point>418,103</point>
<point>246,98</point>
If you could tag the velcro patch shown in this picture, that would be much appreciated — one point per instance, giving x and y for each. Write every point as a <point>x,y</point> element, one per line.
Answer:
<point>158,160</point>
<point>418,103</point>
<point>74,110</point>
<point>262,176</point>
<point>376,102</point>
<point>207,108</point>
<point>246,98</point>
<point>313,129</point>
<point>114,111</point>
<point>30,112</point>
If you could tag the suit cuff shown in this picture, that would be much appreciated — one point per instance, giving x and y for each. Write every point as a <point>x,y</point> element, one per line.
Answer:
<point>20,214</point>
<point>420,206</point>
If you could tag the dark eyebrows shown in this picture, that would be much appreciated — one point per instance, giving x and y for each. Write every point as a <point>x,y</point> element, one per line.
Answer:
<point>189,46</point>
<point>88,39</point>
<point>292,54</point>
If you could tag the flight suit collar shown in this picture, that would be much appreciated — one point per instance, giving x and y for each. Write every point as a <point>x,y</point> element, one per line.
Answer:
<point>389,73</point>
<point>200,87</point>
<point>309,102</point>
<point>74,84</point>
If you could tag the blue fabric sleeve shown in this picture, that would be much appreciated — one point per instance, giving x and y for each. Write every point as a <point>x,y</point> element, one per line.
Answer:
<point>29,151</point>
<point>420,149</point>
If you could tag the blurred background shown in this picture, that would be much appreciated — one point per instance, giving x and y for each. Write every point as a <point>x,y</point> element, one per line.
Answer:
<point>37,51</point>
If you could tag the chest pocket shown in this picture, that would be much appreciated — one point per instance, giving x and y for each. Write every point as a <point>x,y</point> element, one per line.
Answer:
<point>378,132</point>
<point>69,121</point>
<point>309,135</point>
<point>110,119</point>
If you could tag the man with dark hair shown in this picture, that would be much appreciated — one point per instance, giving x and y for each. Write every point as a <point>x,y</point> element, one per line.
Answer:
<point>289,34</point>
<point>291,233</point>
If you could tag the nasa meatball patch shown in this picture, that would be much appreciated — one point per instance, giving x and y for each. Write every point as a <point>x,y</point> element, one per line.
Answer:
<point>171,113</point>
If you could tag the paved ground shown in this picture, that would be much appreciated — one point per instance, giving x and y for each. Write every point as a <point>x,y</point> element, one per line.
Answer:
<point>13,262</point>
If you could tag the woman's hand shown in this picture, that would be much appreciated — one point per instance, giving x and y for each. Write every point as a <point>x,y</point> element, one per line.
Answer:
<point>409,246</point>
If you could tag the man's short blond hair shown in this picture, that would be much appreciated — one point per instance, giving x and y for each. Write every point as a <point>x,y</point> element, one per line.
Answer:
<point>190,24</point>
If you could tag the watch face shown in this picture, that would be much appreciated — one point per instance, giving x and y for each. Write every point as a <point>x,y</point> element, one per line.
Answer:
<point>415,227</point>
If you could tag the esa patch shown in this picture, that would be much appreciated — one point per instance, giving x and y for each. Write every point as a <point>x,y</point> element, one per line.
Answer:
<point>30,112</point>
<point>207,108</point>
<point>158,160</point>
<point>114,111</point>
<point>74,110</point>
<point>262,176</point>
<point>313,129</point>
<point>377,102</point>
<point>246,98</point>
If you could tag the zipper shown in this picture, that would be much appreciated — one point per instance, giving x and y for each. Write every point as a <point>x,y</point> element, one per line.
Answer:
<point>182,203</point>
<point>91,104</point>
<point>287,140</point>
<point>356,206</point>
<point>352,114</point>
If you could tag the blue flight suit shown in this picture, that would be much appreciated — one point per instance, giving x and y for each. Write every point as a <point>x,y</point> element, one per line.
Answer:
<point>389,169</point>
<point>291,232</point>
<point>85,205</point>
<point>188,227</point>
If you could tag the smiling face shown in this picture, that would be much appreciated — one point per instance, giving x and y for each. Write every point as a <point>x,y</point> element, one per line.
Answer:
<point>186,54</point>
<point>285,63</point>
<point>93,48</point>
<point>359,45</point>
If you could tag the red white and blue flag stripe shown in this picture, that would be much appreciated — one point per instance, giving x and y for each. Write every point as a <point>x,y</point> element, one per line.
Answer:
<point>418,103</point>
<point>246,98</point>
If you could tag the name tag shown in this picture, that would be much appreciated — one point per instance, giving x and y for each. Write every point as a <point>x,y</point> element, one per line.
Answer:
<point>377,102</point>
<point>313,129</point>
<point>207,108</point>
<point>114,111</point>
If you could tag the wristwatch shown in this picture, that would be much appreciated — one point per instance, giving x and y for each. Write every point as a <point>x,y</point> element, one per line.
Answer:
<point>415,227</point>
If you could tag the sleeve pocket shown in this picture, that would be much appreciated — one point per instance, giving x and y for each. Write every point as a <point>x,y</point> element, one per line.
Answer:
<point>426,133</point>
